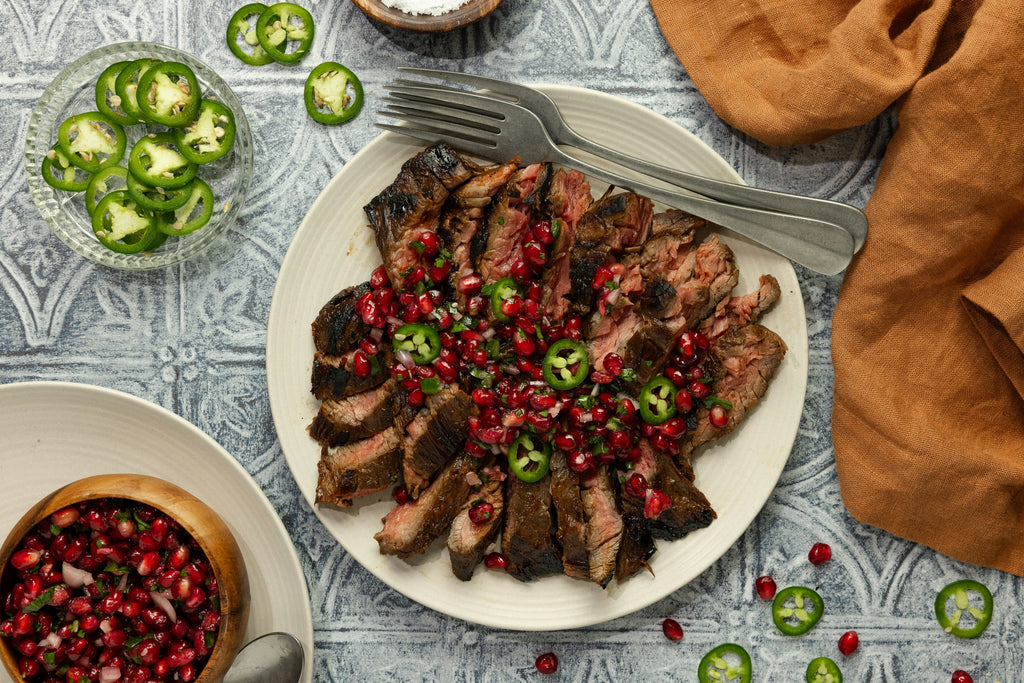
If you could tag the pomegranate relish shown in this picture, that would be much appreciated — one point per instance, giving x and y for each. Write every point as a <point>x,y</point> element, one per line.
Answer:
<point>531,369</point>
<point>110,590</point>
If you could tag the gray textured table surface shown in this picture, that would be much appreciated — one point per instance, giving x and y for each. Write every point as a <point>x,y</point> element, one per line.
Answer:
<point>191,338</point>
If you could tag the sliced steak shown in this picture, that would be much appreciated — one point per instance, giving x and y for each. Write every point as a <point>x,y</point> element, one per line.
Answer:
<point>527,538</point>
<point>413,202</point>
<point>568,199</point>
<point>737,311</point>
<point>508,227</point>
<point>711,280</point>
<point>465,211</point>
<point>689,510</point>
<point>644,343</point>
<point>338,328</point>
<point>357,417</point>
<point>333,377</point>
<point>410,528</point>
<point>604,525</point>
<point>570,522</point>
<point>742,362</point>
<point>358,469</point>
<point>637,544</point>
<point>667,257</point>
<point>435,436</point>
<point>467,540</point>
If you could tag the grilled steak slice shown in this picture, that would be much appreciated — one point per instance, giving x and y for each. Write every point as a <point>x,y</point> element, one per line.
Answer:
<point>568,199</point>
<point>508,226</point>
<point>333,377</point>
<point>742,361</point>
<point>435,435</point>
<point>357,417</point>
<point>465,211</point>
<point>338,329</point>
<point>604,525</point>
<point>412,203</point>
<point>570,522</point>
<point>467,540</point>
<point>712,278</point>
<point>410,528</point>
<point>628,216</point>
<point>644,343</point>
<point>689,510</point>
<point>637,544</point>
<point>527,538</point>
<point>737,311</point>
<point>359,468</point>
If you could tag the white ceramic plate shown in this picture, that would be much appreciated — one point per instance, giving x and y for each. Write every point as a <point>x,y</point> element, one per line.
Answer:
<point>334,248</point>
<point>52,433</point>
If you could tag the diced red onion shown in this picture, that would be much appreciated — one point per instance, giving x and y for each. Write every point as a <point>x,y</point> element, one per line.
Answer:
<point>51,640</point>
<point>473,479</point>
<point>123,583</point>
<point>392,320</point>
<point>376,334</point>
<point>613,296</point>
<point>488,333</point>
<point>405,358</point>
<point>105,626</point>
<point>75,577</point>
<point>109,674</point>
<point>164,604</point>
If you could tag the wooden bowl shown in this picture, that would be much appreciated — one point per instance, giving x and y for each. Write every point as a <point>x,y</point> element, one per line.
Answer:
<point>195,517</point>
<point>425,23</point>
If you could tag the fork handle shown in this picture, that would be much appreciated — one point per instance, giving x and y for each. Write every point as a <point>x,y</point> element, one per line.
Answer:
<point>849,217</point>
<point>822,246</point>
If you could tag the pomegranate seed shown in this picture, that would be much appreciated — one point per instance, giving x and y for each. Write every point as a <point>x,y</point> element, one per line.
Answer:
<point>125,528</point>
<point>415,277</point>
<point>672,630</point>
<point>620,440</point>
<point>660,443</point>
<point>523,345</point>
<point>417,397</point>
<point>485,397</point>
<point>582,462</point>
<point>684,401</point>
<point>565,441</point>
<point>29,668</point>
<point>656,503</point>
<point>65,517</point>
<point>542,231</point>
<point>848,643</point>
<point>510,307</point>
<point>547,663</point>
<point>439,273</point>
<point>765,587</point>
<point>26,558</point>
<point>677,376</point>
<point>820,553</point>
<point>116,638</point>
<point>27,647</point>
<point>543,401</point>
<point>401,495</point>
<point>520,271</point>
<point>429,243</point>
<point>636,485</point>
<point>534,254</point>
<point>481,512</point>
<point>379,277</point>
<point>718,416</point>
<point>961,676</point>
<point>601,277</point>
<point>613,364</point>
<point>534,291</point>
<point>446,371</point>
<point>79,606</point>
<point>469,284</point>
<point>495,561</point>
<point>698,389</point>
<point>539,422</point>
<point>673,428</point>
<point>425,303</point>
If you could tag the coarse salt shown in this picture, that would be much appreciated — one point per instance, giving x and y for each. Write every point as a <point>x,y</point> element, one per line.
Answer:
<point>431,7</point>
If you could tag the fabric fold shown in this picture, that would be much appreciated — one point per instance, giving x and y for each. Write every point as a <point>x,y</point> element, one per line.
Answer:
<point>928,331</point>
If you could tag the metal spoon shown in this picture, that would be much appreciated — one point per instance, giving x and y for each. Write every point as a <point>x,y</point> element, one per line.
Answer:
<point>271,658</point>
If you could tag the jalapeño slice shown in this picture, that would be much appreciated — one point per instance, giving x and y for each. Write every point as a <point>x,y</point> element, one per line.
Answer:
<point>504,289</point>
<point>109,179</point>
<point>566,364</point>
<point>802,616</point>
<point>60,174</point>
<point>121,225</point>
<point>529,457</point>
<point>823,670</point>
<point>421,341</point>
<point>281,24</point>
<point>168,94</point>
<point>155,161</point>
<point>658,400</point>
<point>92,141</point>
<point>126,86</point>
<point>193,214</point>
<point>157,198</point>
<point>107,99</point>
<point>960,592</point>
<point>326,94</point>
<point>243,25</point>
<point>210,136</point>
<point>727,662</point>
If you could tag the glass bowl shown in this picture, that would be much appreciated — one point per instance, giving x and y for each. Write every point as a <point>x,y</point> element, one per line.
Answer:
<point>73,92</point>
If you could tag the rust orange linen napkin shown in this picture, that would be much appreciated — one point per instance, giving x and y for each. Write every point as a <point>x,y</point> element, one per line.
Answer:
<point>928,332</point>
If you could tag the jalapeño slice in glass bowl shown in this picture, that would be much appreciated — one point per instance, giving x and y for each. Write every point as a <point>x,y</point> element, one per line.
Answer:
<point>73,92</point>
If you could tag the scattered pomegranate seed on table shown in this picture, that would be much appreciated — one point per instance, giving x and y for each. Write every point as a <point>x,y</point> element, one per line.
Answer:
<point>961,676</point>
<point>547,663</point>
<point>820,553</point>
<point>848,643</point>
<point>765,587</point>
<point>672,630</point>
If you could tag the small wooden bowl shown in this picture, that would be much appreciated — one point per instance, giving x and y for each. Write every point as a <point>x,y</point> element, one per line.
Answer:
<point>425,23</point>
<point>202,523</point>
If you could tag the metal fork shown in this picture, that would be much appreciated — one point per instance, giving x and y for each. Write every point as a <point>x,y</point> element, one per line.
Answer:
<point>849,217</point>
<point>500,130</point>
